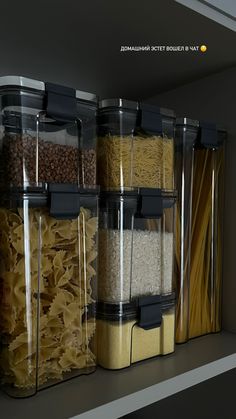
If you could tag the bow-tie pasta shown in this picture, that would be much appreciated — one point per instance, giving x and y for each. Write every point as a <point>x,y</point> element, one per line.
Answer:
<point>47,269</point>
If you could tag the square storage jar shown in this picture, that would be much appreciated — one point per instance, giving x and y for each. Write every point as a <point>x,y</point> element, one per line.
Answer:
<point>47,134</point>
<point>136,245</point>
<point>136,305</point>
<point>135,145</point>
<point>48,247</point>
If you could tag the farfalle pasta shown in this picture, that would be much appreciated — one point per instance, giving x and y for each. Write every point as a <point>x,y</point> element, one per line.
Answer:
<point>47,272</point>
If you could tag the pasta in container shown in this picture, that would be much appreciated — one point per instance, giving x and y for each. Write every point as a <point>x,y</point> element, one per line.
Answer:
<point>199,226</point>
<point>47,287</point>
<point>135,145</point>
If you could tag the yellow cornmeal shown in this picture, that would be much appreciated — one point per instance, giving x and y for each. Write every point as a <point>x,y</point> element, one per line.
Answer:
<point>124,343</point>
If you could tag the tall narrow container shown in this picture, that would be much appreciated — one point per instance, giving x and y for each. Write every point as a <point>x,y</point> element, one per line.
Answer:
<point>199,153</point>
<point>136,307</point>
<point>48,234</point>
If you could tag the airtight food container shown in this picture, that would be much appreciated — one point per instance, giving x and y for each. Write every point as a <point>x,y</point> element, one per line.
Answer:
<point>135,145</point>
<point>48,249</point>
<point>87,114</point>
<point>47,134</point>
<point>128,333</point>
<point>200,149</point>
<point>136,245</point>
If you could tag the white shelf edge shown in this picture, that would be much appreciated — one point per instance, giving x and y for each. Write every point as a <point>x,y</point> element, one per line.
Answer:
<point>157,392</point>
<point>210,12</point>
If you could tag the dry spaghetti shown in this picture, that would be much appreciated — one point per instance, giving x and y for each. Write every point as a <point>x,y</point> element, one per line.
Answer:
<point>202,291</point>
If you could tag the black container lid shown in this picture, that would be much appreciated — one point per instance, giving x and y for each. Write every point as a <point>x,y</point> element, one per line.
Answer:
<point>135,310</point>
<point>63,200</point>
<point>25,82</point>
<point>144,202</point>
<point>209,135</point>
<point>151,118</point>
<point>57,101</point>
<point>145,106</point>
<point>118,103</point>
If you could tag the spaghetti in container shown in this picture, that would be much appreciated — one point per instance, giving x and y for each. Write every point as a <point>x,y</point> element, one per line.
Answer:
<point>199,154</point>
<point>135,145</point>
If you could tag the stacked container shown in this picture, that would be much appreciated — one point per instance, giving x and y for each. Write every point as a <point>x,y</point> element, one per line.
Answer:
<point>199,177</point>
<point>136,307</point>
<point>135,146</point>
<point>48,227</point>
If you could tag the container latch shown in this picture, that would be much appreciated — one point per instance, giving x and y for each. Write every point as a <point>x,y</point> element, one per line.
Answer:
<point>150,119</point>
<point>208,135</point>
<point>60,102</point>
<point>150,313</point>
<point>64,201</point>
<point>150,204</point>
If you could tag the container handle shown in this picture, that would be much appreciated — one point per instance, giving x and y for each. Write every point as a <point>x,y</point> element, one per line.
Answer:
<point>60,102</point>
<point>150,313</point>
<point>64,201</point>
<point>150,119</point>
<point>149,205</point>
<point>208,135</point>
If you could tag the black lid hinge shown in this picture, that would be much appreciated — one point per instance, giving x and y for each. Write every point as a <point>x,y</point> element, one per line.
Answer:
<point>150,313</point>
<point>60,103</point>
<point>64,201</point>
<point>208,135</point>
<point>150,205</point>
<point>150,119</point>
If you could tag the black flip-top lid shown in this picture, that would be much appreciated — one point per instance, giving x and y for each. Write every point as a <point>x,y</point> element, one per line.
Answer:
<point>57,101</point>
<point>19,82</point>
<point>144,202</point>
<point>150,118</point>
<point>118,103</point>
<point>208,134</point>
<point>63,200</point>
<point>147,310</point>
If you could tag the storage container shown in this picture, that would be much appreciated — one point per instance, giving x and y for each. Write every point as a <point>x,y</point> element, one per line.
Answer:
<point>47,134</point>
<point>199,179</point>
<point>48,252</point>
<point>136,244</point>
<point>135,145</point>
<point>128,333</point>
<point>87,114</point>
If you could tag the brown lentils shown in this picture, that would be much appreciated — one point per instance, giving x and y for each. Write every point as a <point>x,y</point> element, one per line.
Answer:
<point>87,164</point>
<point>54,163</point>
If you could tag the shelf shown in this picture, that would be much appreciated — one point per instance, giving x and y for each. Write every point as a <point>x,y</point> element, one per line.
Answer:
<point>221,12</point>
<point>112,394</point>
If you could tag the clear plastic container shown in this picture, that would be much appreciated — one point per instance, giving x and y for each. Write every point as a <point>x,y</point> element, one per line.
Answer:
<point>125,334</point>
<point>136,245</point>
<point>47,134</point>
<point>135,145</point>
<point>47,287</point>
<point>199,222</point>
<point>87,114</point>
